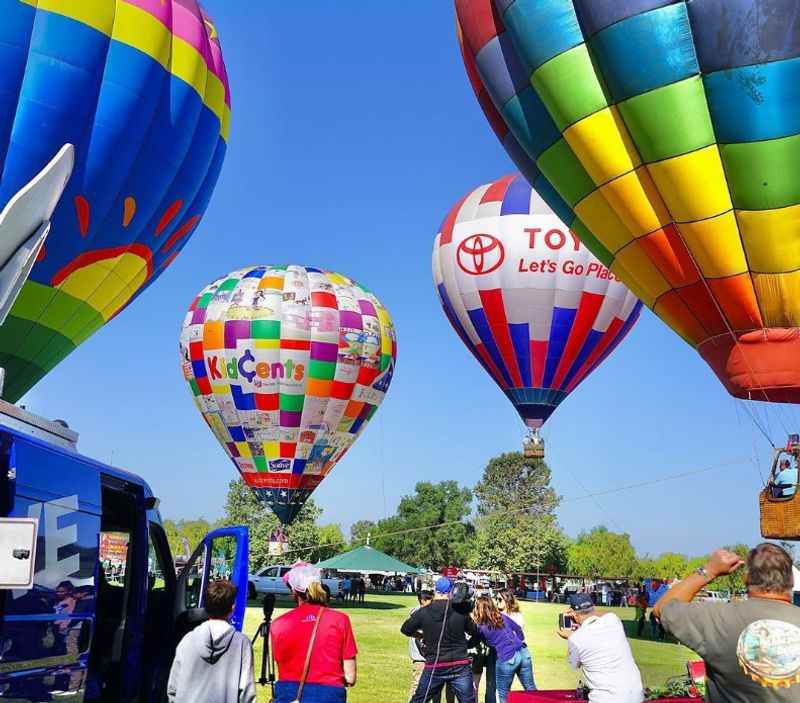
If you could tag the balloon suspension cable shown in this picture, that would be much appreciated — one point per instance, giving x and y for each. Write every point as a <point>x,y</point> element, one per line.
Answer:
<point>531,509</point>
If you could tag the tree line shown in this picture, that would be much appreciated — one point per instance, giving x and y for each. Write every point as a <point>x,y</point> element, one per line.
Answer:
<point>505,523</point>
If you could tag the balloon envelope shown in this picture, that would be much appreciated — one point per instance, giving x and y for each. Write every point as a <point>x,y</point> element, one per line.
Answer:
<point>139,88</point>
<point>533,305</point>
<point>287,366</point>
<point>668,133</point>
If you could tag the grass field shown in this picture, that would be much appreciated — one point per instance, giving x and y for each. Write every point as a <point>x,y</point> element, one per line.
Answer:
<point>384,669</point>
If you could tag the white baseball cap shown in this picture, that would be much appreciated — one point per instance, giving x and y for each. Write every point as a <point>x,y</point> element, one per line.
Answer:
<point>301,577</point>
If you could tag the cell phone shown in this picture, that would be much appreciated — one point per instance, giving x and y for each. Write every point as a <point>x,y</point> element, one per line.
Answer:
<point>565,622</point>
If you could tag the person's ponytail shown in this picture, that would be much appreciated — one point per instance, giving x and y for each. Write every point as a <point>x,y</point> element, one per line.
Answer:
<point>316,594</point>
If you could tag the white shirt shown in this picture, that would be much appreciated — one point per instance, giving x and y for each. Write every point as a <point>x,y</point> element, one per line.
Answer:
<point>600,648</point>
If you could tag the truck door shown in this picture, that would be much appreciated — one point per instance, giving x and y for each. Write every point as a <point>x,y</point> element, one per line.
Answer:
<point>45,631</point>
<point>222,554</point>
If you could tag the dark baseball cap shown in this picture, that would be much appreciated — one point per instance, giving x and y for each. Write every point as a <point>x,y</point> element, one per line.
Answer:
<point>581,602</point>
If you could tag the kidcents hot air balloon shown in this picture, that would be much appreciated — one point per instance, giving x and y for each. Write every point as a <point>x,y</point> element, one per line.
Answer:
<point>537,310</point>
<point>669,132</point>
<point>139,88</point>
<point>287,366</point>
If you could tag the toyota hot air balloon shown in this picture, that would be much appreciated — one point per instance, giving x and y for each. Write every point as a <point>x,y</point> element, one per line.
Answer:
<point>138,88</point>
<point>667,133</point>
<point>287,366</point>
<point>537,310</point>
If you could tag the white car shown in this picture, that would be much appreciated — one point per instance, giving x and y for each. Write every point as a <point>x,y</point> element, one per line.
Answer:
<point>270,580</point>
<point>713,597</point>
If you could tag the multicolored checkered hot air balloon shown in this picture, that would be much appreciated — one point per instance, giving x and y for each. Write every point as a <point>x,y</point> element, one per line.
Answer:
<point>139,88</point>
<point>287,366</point>
<point>665,132</point>
<point>537,310</point>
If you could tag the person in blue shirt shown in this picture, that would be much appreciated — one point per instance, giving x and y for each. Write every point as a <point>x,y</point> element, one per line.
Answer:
<point>785,483</point>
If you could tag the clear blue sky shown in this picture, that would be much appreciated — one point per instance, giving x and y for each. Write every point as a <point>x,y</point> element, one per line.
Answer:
<point>354,132</point>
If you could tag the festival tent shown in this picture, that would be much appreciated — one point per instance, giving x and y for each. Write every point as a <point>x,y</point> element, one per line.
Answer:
<point>367,560</point>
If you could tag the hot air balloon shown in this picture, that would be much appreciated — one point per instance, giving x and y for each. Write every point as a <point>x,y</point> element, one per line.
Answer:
<point>287,366</point>
<point>530,302</point>
<point>139,88</point>
<point>668,132</point>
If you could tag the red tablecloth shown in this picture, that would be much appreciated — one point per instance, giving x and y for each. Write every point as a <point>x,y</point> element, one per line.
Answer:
<point>561,696</point>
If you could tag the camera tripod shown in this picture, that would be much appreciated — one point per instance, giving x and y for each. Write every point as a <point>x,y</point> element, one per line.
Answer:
<point>267,664</point>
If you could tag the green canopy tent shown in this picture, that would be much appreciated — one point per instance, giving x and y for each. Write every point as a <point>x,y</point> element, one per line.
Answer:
<point>366,560</point>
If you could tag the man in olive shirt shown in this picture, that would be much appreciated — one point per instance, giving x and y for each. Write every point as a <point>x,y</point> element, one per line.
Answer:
<point>751,648</point>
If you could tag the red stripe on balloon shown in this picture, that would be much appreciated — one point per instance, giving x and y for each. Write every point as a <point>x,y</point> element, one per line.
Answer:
<point>492,301</point>
<point>588,308</point>
<point>168,216</point>
<point>183,230</point>
<point>297,344</point>
<point>82,210</point>
<point>538,361</point>
<point>168,260</point>
<point>40,256</point>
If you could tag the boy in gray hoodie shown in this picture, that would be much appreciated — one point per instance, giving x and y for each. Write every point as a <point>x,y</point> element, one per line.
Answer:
<point>214,662</point>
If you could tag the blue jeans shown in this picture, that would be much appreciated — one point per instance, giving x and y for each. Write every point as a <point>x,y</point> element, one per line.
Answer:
<point>434,680</point>
<point>520,665</point>
<point>286,692</point>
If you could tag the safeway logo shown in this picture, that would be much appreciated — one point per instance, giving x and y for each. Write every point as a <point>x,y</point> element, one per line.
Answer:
<point>479,254</point>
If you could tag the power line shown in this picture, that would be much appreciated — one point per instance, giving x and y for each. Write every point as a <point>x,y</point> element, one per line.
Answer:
<point>513,511</point>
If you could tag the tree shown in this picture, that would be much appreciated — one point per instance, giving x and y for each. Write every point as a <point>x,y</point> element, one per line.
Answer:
<point>331,541</point>
<point>243,508</point>
<point>419,542</point>
<point>670,565</point>
<point>734,583</point>
<point>359,531</point>
<point>516,530</point>
<point>192,530</point>
<point>601,552</point>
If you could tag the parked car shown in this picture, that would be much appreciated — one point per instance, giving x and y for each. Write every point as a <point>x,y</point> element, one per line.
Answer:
<point>713,597</point>
<point>270,580</point>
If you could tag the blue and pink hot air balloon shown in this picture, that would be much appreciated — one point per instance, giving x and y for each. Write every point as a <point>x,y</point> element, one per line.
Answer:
<point>537,310</point>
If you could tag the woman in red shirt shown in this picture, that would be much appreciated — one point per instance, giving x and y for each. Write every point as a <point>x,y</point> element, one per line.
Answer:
<point>332,664</point>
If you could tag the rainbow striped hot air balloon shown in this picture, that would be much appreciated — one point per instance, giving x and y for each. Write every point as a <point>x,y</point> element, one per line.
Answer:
<point>139,88</point>
<point>537,310</point>
<point>667,134</point>
<point>287,366</point>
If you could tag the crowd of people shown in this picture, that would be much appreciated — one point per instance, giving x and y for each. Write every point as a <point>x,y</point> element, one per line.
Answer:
<point>353,589</point>
<point>456,639</point>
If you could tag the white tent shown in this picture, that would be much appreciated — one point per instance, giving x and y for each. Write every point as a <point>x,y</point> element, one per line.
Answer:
<point>796,572</point>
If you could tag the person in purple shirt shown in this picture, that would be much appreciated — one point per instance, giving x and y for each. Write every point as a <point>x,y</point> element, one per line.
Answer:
<point>505,636</point>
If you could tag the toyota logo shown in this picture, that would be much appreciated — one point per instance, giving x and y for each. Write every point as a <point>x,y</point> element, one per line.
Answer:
<point>479,254</point>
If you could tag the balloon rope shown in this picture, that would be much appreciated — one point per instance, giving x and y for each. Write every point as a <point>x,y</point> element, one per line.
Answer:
<point>531,508</point>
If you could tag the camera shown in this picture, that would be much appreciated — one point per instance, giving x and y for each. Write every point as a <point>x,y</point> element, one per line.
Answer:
<point>565,621</point>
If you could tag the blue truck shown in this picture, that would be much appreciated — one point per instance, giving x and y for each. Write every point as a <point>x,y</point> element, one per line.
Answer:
<point>80,629</point>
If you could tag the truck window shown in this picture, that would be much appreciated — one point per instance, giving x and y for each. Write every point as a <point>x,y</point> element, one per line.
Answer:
<point>194,582</point>
<point>114,557</point>
<point>223,556</point>
<point>157,563</point>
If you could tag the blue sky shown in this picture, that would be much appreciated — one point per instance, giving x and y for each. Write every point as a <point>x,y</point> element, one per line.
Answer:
<point>354,132</point>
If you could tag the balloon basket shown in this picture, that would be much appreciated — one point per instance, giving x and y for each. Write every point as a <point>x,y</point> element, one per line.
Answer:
<point>278,544</point>
<point>533,445</point>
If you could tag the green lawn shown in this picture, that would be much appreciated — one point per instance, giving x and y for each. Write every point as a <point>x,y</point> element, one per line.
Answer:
<point>383,665</point>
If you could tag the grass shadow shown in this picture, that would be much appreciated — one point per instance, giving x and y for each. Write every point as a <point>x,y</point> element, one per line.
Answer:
<point>632,632</point>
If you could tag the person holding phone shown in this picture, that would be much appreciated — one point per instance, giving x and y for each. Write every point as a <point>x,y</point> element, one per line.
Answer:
<point>597,645</point>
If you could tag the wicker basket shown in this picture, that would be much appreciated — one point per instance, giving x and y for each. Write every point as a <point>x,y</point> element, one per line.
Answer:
<point>780,517</point>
